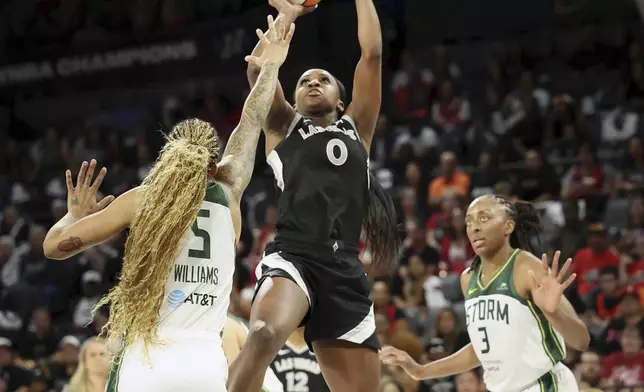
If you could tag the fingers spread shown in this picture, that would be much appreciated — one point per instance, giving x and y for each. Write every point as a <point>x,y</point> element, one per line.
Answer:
<point>289,35</point>
<point>99,179</point>
<point>90,173</point>
<point>81,174</point>
<point>68,181</point>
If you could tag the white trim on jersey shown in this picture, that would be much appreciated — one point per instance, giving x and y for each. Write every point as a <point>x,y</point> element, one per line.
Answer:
<point>298,351</point>
<point>291,127</point>
<point>274,260</point>
<point>274,161</point>
<point>362,331</point>
<point>348,119</point>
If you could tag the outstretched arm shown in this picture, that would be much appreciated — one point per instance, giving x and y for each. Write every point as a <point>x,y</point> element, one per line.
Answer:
<point>281,113</point>
<point>367,80</point>
<point>87,222</point>
<point>463,360</point>
<point>237,164</point>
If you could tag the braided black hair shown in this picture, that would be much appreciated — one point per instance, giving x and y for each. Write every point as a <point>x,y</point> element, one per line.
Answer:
<point>527,223</point>
<point>381,227</point>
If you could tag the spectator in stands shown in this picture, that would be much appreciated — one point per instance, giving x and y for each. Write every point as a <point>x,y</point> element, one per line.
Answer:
<point>588,262</point>
<point>93,368</point>
<point>456,250</point>
<point>631,175</point>
<point>440,220</point>
<point>14,376</point>
<point>383,304</point>
<point>40,340</point>
<point>447,339</point>
<point>470,381</point>
<point>10,264</point>
<point>486,175</point>
<point>91,294</point>
<point>631,314</point>
<point>635,225</point>
<point>412,295</point>
<point>449,179</point>
<point>572,235</point>
<point>587,180</point>
<point>406,341</point>
<point>537,182</point>
<point>590,369</point>
<point>267,233</point>
<point>625,368</point>
<point>450,116</point>
<point>609,295</point>
<point>14,225</point>
<point>62,365</point>
<point>618,127</point>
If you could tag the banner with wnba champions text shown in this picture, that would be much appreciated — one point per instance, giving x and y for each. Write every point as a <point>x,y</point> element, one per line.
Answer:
<point>216,49</point>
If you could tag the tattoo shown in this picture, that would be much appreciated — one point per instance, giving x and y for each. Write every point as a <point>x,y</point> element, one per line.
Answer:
<point>71,244</point>
<point>242,143</point>
<point>75,201</point>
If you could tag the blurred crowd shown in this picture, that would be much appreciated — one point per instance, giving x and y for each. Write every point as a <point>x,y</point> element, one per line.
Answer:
<point>38,24</point>
<point>555,119</point>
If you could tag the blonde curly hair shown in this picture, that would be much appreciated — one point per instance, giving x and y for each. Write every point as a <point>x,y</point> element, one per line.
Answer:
<point>168,202</point>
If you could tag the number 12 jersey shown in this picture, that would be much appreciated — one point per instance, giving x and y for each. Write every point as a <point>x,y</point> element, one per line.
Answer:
<point>323,177</point>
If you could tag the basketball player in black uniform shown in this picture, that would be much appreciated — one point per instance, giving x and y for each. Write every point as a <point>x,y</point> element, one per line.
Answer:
<point>296,366</point>
<point>311,275</point>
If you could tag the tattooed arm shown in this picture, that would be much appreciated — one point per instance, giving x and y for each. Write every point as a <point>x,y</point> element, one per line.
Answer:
<point>238,161</point>
<point>72,235</point>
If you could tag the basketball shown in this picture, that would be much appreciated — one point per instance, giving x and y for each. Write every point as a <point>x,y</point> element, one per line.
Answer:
<point>306,3</point>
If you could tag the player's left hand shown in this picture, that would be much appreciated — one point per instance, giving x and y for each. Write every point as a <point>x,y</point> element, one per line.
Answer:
<point>289,10</point>
<point>548,291</point>
<point>81,199</point>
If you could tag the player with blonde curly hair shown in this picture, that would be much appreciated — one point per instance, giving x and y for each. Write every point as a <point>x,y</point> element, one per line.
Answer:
<point>170,305</point>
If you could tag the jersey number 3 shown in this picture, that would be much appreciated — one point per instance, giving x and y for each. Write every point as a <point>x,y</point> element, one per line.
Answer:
<point>337,152</point>
<point>485,340</point>
<point>204,252</point>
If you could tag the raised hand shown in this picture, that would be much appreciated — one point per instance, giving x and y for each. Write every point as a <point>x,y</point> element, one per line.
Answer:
<point>81,199</point>
<point>548,291</point>
<point>274,44</point>
<point>289,10</point>
<point>392,356</point>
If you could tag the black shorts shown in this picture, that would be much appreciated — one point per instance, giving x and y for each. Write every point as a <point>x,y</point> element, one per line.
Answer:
<point>337,289</point>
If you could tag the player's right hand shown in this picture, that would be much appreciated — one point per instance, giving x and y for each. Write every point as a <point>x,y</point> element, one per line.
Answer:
<point>275,43</point>
<point>392,356</point>
<point>81,199</point>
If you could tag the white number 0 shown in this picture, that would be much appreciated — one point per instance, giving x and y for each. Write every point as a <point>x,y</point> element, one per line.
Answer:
<point>330,152</point>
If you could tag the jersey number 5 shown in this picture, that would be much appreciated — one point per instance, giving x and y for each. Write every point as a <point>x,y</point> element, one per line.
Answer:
<point>337,152</point>
<point>204,252</point>
<point>485,340</point>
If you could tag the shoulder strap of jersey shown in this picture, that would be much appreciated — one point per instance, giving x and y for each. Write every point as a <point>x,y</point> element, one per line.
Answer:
<point>294,122</point>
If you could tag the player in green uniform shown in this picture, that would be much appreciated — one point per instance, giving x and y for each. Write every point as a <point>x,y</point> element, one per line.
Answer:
<point>518,320</point>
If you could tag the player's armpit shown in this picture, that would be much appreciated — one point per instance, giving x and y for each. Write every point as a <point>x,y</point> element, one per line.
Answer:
<point>69,236</point>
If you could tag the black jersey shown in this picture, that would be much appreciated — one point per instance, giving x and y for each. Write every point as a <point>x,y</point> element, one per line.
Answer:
<point>298,370</point>
<point>324,180</point>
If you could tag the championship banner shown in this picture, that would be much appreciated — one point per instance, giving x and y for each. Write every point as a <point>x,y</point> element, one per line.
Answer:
<point>216,49</point>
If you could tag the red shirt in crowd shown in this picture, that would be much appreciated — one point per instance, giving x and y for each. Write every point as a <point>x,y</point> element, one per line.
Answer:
<point>624,371</point>
<point>456,254</point>
<point>587,265</point>
<point>594,180</point>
